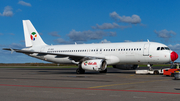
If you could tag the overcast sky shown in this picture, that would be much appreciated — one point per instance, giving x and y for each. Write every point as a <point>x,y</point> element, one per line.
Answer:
<point>88,21</point>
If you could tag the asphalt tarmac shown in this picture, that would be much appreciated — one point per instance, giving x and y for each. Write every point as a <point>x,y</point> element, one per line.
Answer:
<point>37,84</point>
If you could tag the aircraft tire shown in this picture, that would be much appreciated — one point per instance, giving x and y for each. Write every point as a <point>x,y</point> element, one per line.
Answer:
<point>156,72</point>
<point>104,71</point>
<point>80,71</point>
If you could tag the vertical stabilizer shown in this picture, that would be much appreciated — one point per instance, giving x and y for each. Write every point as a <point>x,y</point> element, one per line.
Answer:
<point>32,37</point>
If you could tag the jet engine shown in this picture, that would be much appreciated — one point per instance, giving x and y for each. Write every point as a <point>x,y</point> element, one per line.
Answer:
<point>94,65</point>
<point>126,66</point>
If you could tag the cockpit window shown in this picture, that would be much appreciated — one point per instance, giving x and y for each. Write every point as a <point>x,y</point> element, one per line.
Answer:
<point>158,48</point>
<point>166,48</point>
<point>163,48</point>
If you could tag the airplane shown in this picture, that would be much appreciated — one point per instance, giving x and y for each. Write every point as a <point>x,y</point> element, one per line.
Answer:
<point>95,57</point>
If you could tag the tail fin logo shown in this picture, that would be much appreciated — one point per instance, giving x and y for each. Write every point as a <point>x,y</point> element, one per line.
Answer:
<point>33,36</point>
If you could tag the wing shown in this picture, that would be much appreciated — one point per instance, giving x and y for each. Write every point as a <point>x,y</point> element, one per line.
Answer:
<point>76,58</point>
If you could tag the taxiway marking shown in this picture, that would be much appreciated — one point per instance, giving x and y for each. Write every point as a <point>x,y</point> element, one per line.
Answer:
<point>90,89</point>
<point>126,83</point>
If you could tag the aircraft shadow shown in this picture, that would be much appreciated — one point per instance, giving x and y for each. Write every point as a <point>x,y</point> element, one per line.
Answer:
<point>73,71</point>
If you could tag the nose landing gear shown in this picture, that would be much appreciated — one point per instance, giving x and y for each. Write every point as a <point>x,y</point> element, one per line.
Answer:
<point>150,66</point>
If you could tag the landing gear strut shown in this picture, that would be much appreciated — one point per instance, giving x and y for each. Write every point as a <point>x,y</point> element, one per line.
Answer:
<point>150,66</point>
<point>79,70</point>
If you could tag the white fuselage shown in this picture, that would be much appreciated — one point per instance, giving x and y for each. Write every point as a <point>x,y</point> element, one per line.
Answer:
<point>95,57</point>
<point>114,53</point>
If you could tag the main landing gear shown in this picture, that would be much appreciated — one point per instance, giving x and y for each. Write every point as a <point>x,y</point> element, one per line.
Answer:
<point>79,70</point>
<point>104,71</point>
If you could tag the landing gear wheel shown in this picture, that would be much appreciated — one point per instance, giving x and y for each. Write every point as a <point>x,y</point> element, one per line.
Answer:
<point>156,72</point>
<point>80,71</point>
<point>104,71</point>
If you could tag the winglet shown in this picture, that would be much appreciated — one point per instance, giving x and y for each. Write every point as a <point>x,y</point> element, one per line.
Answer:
<point>12,50</point>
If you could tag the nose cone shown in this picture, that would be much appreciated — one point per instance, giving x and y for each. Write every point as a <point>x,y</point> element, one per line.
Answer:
<point>174,56</point>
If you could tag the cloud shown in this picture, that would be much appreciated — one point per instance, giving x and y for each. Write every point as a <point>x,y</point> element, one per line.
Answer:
<point>1,33</point>
<point>144,25</point>
<point>40,33</point>
<point>24,3</point>
<point>164,33</point>
<point>18,10</point>
<point>174,47</point>
<point>86,35</point>
<point>109,26</point>
<point>54,34</point>
<point>7,11</point>
<point>62,41</point>
<point>141,40</point>
<point>22,41</point>
<point>134,19</point>
<point>112,33</point>
<point>16,45</point>
<point>127,41</point>
<point>81,37</point>
<point>105,41</point>
<point>1,45</point>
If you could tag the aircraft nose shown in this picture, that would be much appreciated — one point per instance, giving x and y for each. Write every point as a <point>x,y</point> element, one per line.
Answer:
<point>174,56</point>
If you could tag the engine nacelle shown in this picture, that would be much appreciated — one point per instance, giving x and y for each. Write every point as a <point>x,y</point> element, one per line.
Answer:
<point>94,65</point>
<point>126,66</point>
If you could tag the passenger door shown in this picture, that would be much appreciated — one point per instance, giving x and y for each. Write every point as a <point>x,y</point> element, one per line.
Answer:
<point>146,49</point>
